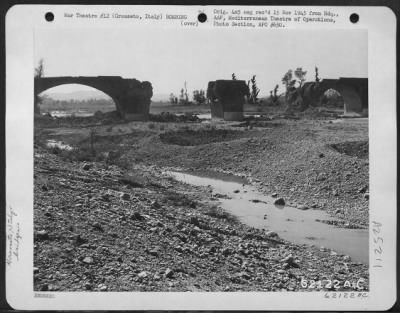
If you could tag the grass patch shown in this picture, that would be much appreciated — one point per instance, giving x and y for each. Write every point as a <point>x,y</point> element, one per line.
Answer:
<point>190,137</point>
<point>359,149</point>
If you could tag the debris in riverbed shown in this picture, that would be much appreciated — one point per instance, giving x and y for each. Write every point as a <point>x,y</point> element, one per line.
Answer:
<point>42,235</point>
<point>303,207</point>
<point>272,234</point>
<point>279,201</point>
<point>258,201</point>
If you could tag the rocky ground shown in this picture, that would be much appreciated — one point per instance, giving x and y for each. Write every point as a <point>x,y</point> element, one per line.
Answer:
<point>107,217</point>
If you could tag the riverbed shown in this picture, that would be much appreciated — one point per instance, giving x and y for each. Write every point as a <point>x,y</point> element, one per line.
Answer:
<point>299,226</point>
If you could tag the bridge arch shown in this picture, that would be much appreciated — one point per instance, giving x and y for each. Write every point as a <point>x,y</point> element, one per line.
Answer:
<point>75,101</point>
<point>354,92</point>
<point>131,97</point>
<point>332,97</point>
<point>46,84</point>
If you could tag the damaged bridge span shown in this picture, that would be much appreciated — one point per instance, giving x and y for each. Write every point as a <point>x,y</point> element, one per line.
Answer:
<point>131,97</point>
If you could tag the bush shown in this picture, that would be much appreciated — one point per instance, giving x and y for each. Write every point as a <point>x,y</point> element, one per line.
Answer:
<point>199,96</point>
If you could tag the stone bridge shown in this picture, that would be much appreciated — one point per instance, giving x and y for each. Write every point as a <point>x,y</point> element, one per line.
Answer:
<point>353,90</point>
<point>131,97</point>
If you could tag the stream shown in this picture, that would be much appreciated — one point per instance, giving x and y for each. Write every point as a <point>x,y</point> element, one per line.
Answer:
<point>298,226</point>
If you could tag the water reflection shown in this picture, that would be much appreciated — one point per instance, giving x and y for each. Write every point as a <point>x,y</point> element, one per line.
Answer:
<point>299,226</point>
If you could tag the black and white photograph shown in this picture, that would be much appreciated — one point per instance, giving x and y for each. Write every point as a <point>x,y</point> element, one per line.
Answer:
<point>187,159</point>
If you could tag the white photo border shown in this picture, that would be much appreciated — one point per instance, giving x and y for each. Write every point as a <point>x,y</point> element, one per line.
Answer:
<point>21,21</point>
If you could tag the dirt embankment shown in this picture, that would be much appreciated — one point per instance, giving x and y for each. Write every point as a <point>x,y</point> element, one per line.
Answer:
<point>111,220</point>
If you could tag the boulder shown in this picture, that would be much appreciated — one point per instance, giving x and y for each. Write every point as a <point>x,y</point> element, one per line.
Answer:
<point>125,196</point>
<point>87,166</point>
<point>272,234</point>
<point>339,211</point>
<point>88,260</point>
<point>290,261</point>
<point>279,201</point>
<point>169,273</point>
<point>321,177</point>
<point>303,207</point>
<point>41,235</point>
<point>142,274</point>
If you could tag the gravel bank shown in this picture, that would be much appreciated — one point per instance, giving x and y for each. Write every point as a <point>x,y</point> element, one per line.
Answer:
<point>100,228</point>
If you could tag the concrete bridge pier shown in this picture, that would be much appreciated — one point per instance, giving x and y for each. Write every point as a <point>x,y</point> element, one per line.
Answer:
<point>134,103</point>
<point>227,99</point>
<point>355,95</point>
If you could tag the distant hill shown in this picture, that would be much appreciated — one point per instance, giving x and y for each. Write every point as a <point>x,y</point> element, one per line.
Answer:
<point>77,95</point>
<point>93,94</point>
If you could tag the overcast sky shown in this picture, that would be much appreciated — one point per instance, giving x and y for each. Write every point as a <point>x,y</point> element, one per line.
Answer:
<point>169,57</point>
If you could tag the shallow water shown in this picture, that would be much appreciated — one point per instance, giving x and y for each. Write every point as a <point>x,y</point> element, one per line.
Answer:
<point>207,116</point>
<point>79,113</point>
<point>289,223</point>
<point>204,116</point>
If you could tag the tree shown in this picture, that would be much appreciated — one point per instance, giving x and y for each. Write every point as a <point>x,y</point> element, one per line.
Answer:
<point>199,96</point>
<point>254,90</point>
<point>275,97</point>
<point>294,94</point>
<point>317,79</point>
<point>39,70</point>
<point>300,75</point>
<point>288,80</point>
<point>276,90</point>
<point>186,94</point>
<point>233,76</point>
<point>172,98</point>
<point>182,96</point>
